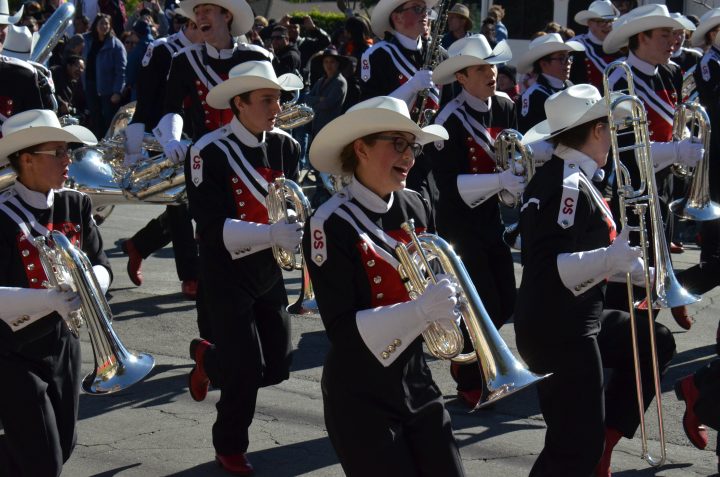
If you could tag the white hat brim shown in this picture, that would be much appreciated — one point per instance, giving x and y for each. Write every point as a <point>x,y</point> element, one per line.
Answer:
<point>219,97</point>
<point>11,19</point>
<point>31,136</point>
<point>620,34</point>
<point>380,16</point>
<point>343,130</point>
<point>526,60</point>
<point>542,132</point>
<point>444,73</point>
<point>698,37</point>
<point>243,17</point>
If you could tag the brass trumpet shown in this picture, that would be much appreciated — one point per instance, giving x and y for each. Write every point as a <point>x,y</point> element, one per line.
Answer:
<point>504,374</point>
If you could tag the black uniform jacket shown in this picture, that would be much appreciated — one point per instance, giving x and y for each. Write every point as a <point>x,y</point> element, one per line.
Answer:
<point>588,66</point>
<point>153,77</point>
<point>358,272</point>
<point>227,177</point>
<point>707,81</point>
<point>562,212</point>
<point>469,150</point>
<point>532,102</point>
<point>195,70</point>
<point>70,213</point>
<point>19,88</point>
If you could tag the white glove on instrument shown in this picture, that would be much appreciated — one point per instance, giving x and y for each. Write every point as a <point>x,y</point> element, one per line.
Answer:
<point>581,270</point>
<point>134,135</point>
<point>542,151</point>
<point>388,330</point>
<point>168,133</point>
<point>685,152</point>
<point>102,275</point>
<point>36,303</point>
<point>420,81</point>
<point>475,189</point>
<point>242,238</point>
<point>637,274</point>
<point>131,159</point>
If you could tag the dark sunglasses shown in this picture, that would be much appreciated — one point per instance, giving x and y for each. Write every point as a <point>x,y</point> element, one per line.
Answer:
<point>60,152</point>
<point>400,144</point>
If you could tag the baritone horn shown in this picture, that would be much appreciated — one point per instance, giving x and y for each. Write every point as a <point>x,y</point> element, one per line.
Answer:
<point>116,368</point>
<point>504,374</point>
<point>696,205</point>
<point>644,199</point>
<point>511,153</point>
<point>281,193</point>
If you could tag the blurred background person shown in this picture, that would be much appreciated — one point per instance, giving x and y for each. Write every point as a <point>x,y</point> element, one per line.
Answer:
<point>459,24</point>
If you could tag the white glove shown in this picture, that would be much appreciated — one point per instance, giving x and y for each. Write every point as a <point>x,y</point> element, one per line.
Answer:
<point>63,300</point>
<point>175,150</point>
<point>637,274</point>
<point>102,275</point>
<point>690,152</point>
<point>542,151</point>
<point>131,159</point>
<point>512,183</point>
<point>420,81</point>
<point>287,236</point>
<point>474,189</point>
<point>388,330</point>
<point>685,152</point>
<point>620,256</point>
<point>134,135</point>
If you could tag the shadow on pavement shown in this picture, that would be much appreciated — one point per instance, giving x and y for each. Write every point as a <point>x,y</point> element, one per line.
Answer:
<point>149,306</point>
<point>112,472</point>
<point>311,351</point>
<point>650,471</point>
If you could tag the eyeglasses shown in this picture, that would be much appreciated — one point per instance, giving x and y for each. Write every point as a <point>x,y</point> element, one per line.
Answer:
<point>57,153</point>
<point>604,21</point>
<point>416,9</point>
<point>562,59</point>
<point>401,144</point>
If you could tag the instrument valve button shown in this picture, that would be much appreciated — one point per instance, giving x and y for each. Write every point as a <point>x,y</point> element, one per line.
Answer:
<point>25,253</point>
<point>377,279</point>
<point>380,296</point>
<point>397,342</point>
<point>385,355</point>
<point>31,267</point>
<point>371,263</point>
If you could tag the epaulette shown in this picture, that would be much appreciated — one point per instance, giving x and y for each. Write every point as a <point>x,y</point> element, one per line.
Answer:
<point>571,190</point>
<point>445,112</point>
<point>365,72</point>
<point>318,240</point>
<point>196,160</point>
<point>17,62</point>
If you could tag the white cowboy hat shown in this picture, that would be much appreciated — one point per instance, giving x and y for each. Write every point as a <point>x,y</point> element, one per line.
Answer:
<point>378,114</point>
<point>37,126</point>
<point>243,16</point>
<point>543,46</point>
<point>250,76</point>
<point>637,20</point>
<point>708,21</point>
<point>5,18</point>
<point>19,42</point>
<point>687,24</point>
<point>470,51</point>
<point>380,17</point>
<point>599,9</point>
<point>572,107</point>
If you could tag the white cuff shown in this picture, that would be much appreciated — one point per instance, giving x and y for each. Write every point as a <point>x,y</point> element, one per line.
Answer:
<point>580,271</point>
<point>475,189</point>
<point>134,135</point>
<point>242,238</point>
<point>102,276</point>
<point>388,330</point>
<point>23,306</point>
<point>664,154</point>
<point>542,152</point>
<point>170,127</point>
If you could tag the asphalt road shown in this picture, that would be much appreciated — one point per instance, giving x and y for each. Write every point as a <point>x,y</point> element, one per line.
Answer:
<point>155,429</point>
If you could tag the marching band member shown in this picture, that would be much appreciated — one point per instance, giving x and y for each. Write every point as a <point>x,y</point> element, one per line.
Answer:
<point>377,388</point>
<point>550,58</point>
<point>569,247</point>
<point>39,356</point>
<point>227,179</point>
<point>464,166</point>
<point>196,69</point>
<point>647,31</point>
<point>706,31</point>
<point>588,65</point>
<point>685,58</point>
<point>174,224</point>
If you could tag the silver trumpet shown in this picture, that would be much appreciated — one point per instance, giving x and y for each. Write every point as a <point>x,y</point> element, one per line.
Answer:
<point>282,192</point>
<point>293,115</point>
<point>696,205</point>
<point>667,292</point>
<point>116,368</point>
<point>504,374</point>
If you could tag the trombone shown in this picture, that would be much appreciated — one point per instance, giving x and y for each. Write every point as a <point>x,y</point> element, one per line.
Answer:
<point>667,292</point>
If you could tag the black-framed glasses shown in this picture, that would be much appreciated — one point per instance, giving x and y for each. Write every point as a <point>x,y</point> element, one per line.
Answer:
<point>416,9</point>
<point>562,59</point>
<point>60,152</point>
<point>400,144</point>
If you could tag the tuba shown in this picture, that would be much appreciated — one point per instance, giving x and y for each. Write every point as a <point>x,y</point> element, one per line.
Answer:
<point>696,205</point>
<point>280,192</point>
<point>504,374</point>
<point>51,32</point>
<point>667,292</point>
<point>115,367</point>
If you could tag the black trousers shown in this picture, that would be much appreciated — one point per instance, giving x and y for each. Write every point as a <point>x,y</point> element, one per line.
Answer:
<point>39,405</point>
<point>174,224</point>
<point>252,349</point>
<point>374,439</point>
<point>572,401</point>
<point>491,269</point>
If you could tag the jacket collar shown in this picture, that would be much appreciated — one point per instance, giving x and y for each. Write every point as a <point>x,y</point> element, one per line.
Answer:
<point>412,44</point>
<point>36,200</point>
<point>369,199</point>
<point>476,103</point>
<point>593,39</point>
<point>245,136</point>
<point>219,54</point>
<point>642,66</point>
<point>586,163</point>
<point>554,82</point>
